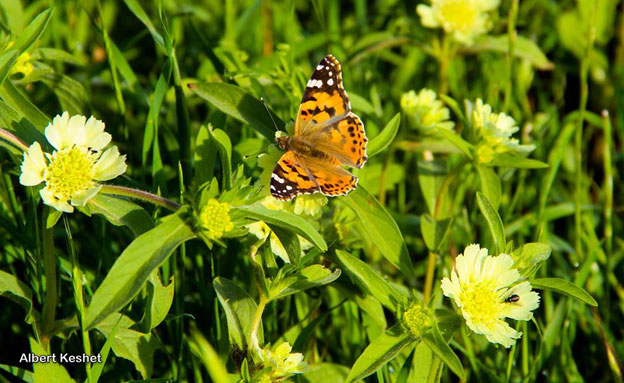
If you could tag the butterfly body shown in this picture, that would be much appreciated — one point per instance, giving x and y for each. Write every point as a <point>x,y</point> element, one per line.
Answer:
<point>327,136</point>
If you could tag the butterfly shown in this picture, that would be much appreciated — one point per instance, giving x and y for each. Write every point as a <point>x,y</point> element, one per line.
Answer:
<point>327,136</point>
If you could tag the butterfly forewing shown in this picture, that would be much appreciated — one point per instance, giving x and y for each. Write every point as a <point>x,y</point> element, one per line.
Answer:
<point>324,97</point>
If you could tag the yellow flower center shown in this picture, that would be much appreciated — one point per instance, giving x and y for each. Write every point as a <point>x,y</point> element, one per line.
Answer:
<point>68,173</point>
<point>417,319</point>
<point>458,15</point>
<point>215,219</point>
<point>481,302</point>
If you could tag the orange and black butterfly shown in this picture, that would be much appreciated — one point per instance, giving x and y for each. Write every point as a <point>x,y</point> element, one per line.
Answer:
<point>327,136</point>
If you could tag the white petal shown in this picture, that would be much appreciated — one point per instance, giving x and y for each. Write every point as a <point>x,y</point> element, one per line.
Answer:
<point>427,17</point>
<point>110,165</point>
<point>95,137</point>
<point>56,131</point>
<point>80,199</point>
<point>33,166</point>
<point>76,130</point>
<point>50,200</point>
<point>527,302</point>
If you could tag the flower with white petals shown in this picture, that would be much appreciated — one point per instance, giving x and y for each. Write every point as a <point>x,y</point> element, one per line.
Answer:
<point>463,19</point>
<point>495,131</point>
<point>71,173</point>
<point>425,111</point>
<point>487,290</point>
<point>280,364</point>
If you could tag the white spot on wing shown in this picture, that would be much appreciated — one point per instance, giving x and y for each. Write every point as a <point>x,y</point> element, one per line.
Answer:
<point>330,82</point>
<point>277,178</point>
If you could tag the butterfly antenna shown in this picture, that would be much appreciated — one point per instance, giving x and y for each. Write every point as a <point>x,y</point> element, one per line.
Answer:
<point>269,112</point>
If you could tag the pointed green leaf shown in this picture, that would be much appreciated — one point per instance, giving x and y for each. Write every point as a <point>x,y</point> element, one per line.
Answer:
<point>564,287</point>
<point>490,184</point>
<point>381,350</point>
<point>494,222</point>
<point>384,139</point>
<point>381,228</point>
<point>121,212</point>
<point>17,291</point>
<point>434,340</point>
<point>239,309</point>
<point>237,103</point>
<point>310,277</point>
<point>33,31</point>
<point>134,266</point>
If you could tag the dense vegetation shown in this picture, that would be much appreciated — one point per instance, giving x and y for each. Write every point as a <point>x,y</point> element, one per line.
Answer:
<point>481,244</point>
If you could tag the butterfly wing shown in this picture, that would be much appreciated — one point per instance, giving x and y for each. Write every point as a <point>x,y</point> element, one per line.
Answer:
<point>294,175</point>
<point>290,178</point>
<point>324,98</point>
<point>344,139</point>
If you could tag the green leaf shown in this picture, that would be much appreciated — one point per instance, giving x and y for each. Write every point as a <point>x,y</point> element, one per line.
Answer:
<point>455,139</point>
<point>71,93</point>
<point>494,222</point>
<point>135,265</point>
<point>224,147</point>
<point>7,59</point>
<point>431,176</point>
<point>12,16</point>
<point>529,257</point>
<point>325,372</point>
<point>130,344</point>
<point>380,351</point>
<point>284,220</point>
<point>97,368</point>
<point>524,48</point>
<point>564,287</point>
<point>17,291</point>
<point>381,228</point>
<point>17,101</point>
<point>22,374</point>
<point>310,277</point>
<point>369,280</point>
<point>237,103</point>
<point>139,12</point>
<point>490,184</point>
<point>33,31</point>
<point>434,340</point>
<point>511,161</point>
<point>434,232</point>
<point>384,139</point>
<point>239,309</point>
<point>159,300</point>
<point>209,357</point>
<point>14,122</point>
<point>121,212</point>
<point>291,243</point>
<point>49,372</point>
<point>53,218</point>
<point>205,156</point>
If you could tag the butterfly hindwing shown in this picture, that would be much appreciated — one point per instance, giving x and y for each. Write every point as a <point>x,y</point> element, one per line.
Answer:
<point>344,139</point>
<point>332,180</point>
<point>324,97</point>
<point>290,178</point>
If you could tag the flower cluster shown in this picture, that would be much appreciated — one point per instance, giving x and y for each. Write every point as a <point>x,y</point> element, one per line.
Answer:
<point>425,111</point>
<point>417,319</point>
<point>463,19</point>
<point>494,131</point>
<point>79,160</point>
<point>215,219</point>
<point>487,290</point>
<point>280,364</point>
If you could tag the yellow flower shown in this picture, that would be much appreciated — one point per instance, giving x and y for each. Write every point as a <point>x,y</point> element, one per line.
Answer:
<point>23,65</point>
<point>311,205</point>
<point>463,19</point>
<point>425,111</point>
<point>417,319</point>
<point>495,131</point>
<point>71,171</point>
<point>487,290</point>
<point>280,364</point>
<point>215,219</point>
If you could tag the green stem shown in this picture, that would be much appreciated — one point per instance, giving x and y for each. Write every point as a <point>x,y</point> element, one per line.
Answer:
<point>78,295</point>
<point>11,141</point>
<point>511,32</point>
<point>608,209</point>
<point>430,274</point>
<point>578,138</point>
<point>139,194</point>
<point>49,265</point>
<point>444,57</point>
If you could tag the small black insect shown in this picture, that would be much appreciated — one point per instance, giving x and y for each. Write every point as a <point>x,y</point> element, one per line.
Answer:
<point>512,298</point>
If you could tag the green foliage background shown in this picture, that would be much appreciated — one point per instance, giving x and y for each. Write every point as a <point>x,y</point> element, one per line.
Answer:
<point>178,85</point>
